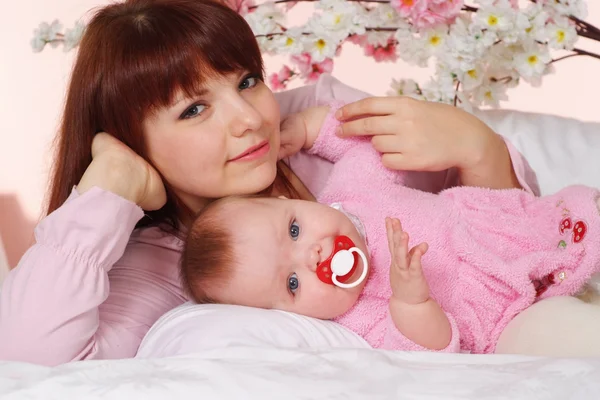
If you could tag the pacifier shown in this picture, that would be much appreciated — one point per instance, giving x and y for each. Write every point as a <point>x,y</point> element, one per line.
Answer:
<point>342,263</point>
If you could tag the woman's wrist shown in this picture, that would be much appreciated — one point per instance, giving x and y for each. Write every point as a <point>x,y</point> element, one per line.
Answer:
<point>115,175</point>
<point>490,166</point>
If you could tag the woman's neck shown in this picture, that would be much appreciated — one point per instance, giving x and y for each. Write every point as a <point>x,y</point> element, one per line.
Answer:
<point>279,188</point>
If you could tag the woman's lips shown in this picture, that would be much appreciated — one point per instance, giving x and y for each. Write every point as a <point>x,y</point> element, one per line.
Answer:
<point>254,152</point>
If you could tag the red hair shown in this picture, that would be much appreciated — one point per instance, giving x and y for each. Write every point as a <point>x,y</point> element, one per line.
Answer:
<point>208,258</point>
<point>133,58</point>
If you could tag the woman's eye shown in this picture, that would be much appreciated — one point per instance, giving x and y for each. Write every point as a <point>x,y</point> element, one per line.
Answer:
<point>293,283</point>
<point>249,82</point>
<point>193,111</point>
<point>294,230</point>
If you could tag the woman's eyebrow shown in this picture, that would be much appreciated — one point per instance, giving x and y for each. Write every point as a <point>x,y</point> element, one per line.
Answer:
<point>182,98</point>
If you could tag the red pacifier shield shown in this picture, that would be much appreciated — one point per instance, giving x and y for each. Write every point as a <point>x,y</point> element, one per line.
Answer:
<point>324,271</point>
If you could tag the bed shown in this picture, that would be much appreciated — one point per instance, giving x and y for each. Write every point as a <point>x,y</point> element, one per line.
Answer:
<point>229,352</point>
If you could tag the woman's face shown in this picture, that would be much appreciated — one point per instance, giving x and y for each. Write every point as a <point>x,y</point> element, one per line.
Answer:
<point>224,141</point>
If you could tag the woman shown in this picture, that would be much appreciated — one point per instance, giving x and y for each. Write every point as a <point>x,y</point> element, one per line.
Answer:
<point>190,120</point>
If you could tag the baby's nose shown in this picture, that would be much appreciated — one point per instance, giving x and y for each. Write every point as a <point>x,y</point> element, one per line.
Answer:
<point>314,256</point>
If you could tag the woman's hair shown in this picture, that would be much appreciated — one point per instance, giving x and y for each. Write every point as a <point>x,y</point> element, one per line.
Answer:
<point>208,258</point>
<point>132,60</point>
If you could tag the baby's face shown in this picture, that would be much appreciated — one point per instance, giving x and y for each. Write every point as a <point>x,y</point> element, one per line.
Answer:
<point>278,244</point>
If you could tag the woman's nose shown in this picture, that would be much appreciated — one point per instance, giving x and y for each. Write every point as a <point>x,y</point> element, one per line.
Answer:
<point>243,117</point>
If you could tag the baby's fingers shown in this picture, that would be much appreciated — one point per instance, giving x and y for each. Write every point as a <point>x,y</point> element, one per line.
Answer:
<point>415,255</point>
<point>398,245</point>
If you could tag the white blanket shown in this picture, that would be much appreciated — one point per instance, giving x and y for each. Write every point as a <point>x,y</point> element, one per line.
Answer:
<point>273,373</point>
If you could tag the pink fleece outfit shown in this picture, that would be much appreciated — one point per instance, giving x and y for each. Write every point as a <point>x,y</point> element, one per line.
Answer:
<point>91,286</point>
<point>488,249</point>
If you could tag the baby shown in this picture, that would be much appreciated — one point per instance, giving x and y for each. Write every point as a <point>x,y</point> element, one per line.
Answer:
<point>475,259</point>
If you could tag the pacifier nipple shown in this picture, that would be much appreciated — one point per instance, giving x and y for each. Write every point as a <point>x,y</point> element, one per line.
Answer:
<point>341,264</point>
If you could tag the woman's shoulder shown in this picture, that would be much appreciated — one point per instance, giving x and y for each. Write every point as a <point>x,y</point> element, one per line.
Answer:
<point>152,255</point>
<point>152,248</point>
<point>157,236</point>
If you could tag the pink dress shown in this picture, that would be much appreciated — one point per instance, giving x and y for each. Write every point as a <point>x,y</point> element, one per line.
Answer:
<point>492,253</point>
<point>91,287</point>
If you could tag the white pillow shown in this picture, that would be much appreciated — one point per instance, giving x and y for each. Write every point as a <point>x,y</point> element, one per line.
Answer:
<point>191,328</point>
<point>561,151</point>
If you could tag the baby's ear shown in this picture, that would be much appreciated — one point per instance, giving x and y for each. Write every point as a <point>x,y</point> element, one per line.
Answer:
<point>282,197</point>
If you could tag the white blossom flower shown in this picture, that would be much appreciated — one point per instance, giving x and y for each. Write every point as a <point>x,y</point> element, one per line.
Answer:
<point>561,34</point>
<point>441,88</point>
<point>490,94</point>
<point>410,49</point>
<point>404,87</point>
<point>37,43</point>
<point>265,19</point>
<point>261,26</point>
<point>338,17</point>
<point>289,42</point>
<point>496,18</point>
<point>73,36</point>
<point>319,47</point>
<point>45,33</point>
<point>377,38</point>
<point>465,46</point>
<point>531,63</point>
<point>577,8</point>
<point>472,78</point>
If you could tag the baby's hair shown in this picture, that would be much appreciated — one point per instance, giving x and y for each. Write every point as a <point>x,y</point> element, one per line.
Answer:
<point>208,256</point>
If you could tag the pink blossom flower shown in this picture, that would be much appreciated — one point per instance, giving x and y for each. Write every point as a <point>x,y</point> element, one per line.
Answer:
<point>324,66</point>
<point>357,39</point>
<point>276,83</point>
<point>311,71</point>
<point>407,8</point>
<point>428,13</point>
<point>428,19</point>
<point>382,53</point>
<point>285,73</point>
<point>304,63</point>
<point>241,6</point>
<point>447,9</point>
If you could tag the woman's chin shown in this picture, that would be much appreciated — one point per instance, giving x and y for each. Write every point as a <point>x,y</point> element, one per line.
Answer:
<point>258,180</point>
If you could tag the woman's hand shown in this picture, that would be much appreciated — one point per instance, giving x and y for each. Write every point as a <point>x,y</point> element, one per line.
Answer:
<point>118,169</point>
<point>418,135</point>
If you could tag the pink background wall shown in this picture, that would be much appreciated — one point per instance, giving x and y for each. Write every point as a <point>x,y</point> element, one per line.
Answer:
<point>32,89</point>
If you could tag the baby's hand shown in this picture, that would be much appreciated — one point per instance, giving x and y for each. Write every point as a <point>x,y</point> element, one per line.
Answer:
<point>406,274</point>
<point>299,131</point>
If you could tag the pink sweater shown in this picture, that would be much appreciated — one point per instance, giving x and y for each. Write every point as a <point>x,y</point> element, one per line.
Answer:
<point>488,249</point>
<point>91,286</point>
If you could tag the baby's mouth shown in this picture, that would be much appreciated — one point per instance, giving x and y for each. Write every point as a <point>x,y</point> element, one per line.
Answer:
<point>344,261</point>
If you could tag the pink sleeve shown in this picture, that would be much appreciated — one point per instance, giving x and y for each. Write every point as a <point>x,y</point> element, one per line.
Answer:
<point>328,145</point>
<point>49,304</point>
<point>394,340</point>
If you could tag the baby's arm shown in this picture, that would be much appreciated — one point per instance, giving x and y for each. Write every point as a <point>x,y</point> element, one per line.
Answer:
<point>415,314</point>
<point>300,130</point>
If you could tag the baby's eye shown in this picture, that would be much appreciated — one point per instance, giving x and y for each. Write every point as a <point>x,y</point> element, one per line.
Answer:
<point>294,230</point>
<point>293,283</point>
